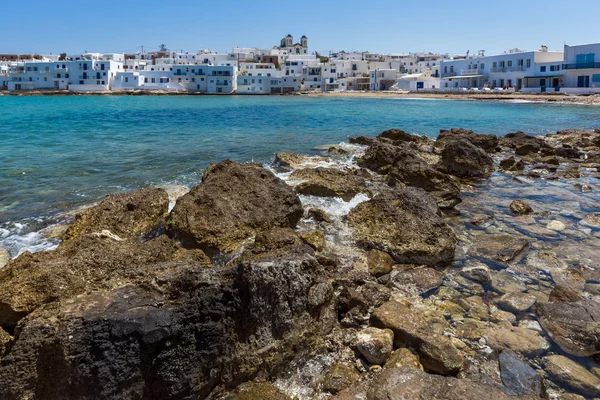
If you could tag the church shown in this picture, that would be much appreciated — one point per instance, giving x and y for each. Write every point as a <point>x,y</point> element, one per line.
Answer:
<point>287,43</point>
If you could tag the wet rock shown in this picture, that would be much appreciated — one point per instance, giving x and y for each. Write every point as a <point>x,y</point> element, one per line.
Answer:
<point>379,263</point>
<point>478,273</point>
<point>520,340</point>
<point>329,182</point>
<point>571,276</point>
<point>483,220</point>
<point>407,383</point>
<point>591,220</point>
<point>498,248</point>
<point>233,202</point>
<point>556,225</point>
<point>511,164</point>
<point>381,223</point>
<point>127,215</point>
<point>375,345</point>
<point>403,357</point>
<point>516,302</point>
<point>416,280</point>
<point>337,150</point>
<point>293,160</point>
<point>4,257</point>
<point>507,282</point>
<point>567,151</point>
<point>476,307</point>
<point>411,169</point>
<point>564,294</point>
<point>375,294</point>
<point>463,159</point>
<point>522,143</point>
<point>518,377</point>
<point>413,328</point>
<point>315,239</point>
<point>380,156</point>
<point>520,207</point>
<point>340,377</point>
<point>84,264</point>
<point>319,215</point>
<point>361,140</point>
<point>489,143</point>
<point>257,391</point>
<point>573,375</point>
<point>398,135</point>
<point>575,326</point>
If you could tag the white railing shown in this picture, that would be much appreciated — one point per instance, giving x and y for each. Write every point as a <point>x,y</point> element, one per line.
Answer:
<point>472,71</point>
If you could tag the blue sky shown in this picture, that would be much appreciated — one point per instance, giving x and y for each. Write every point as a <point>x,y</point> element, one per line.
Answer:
<point>42,26</point>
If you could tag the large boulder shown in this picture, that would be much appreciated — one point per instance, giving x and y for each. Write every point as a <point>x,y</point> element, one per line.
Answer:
<point>329,182</point>
<point>489,143</point>
<point>518,377</point>
<point>87,263</point>
<point>573,375</point>
<point>127,215</point>
<point>187,332</point>
<point>574,326</point>
<point>380,155</point>
<point>521,143</point>
<point>413,384</point>
<point>463,159</point>
<point>233,202</point>
<point>405,224</point>
<point>411,169</point>
<point>422,332</point>
<point>398,135</point>
<point>498,249</point>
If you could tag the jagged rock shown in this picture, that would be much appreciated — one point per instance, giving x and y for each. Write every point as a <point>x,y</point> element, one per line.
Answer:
<point>489,143</point>
<point>257,391</point>
<point>406,225</point>
<point>575,327</point>
<point>591,220</point>
<point>319,215</point>
<point>478,273</point>
<point>567,151</point>
<point>380,156</point>
<point>516,302</point>
<point>498,248</point>
<point>423,333</point>
<point>4,258</point>
<point>315,239</point>
<point>520,207</point>
<point>463,159</point>
<point>573,375</point>
<point>379,263</point>
<point>361,140</point>
<point>518,377</point>
<point>511,164</point>
<point>188,322</point>
<point>522,143</point>
<point>275,243</point>
<point>403,357</point>
<point>329,182</point>
<point>416,280</point>
<point>84,264</point>
<point>375,344</point>
<point>293,160</point>
<point>340,377</point>
<point>127,215</point>
<point>398,135</point>
<point>233,202</point>
<point>520,340</point>
<point>411,169</point>
<point>564,294</point>
<point>5,339</point>
<point>413,384</point>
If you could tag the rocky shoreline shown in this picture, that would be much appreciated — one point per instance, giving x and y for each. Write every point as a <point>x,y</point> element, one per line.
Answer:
<point>390,267</point>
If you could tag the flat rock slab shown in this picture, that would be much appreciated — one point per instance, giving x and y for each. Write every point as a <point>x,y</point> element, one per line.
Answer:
<point>330,182</point>
<point>501,249</point>
<point>573,375</point>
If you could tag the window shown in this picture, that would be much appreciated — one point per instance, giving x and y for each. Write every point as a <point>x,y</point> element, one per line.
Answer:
<point>555,67</point>
<point>102,67</point>
<point>520,62</point>
<point>482,66</point>
<point>542,82</point>
<point>528,63</point>
<point>543,68</point>
<point>126,79</point>
<point>510,63</point>
<point>495,65</point>
<point>153,80</point>
<point>67,76</point>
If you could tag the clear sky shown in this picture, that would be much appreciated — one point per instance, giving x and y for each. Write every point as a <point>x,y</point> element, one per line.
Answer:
<point>42,26</point>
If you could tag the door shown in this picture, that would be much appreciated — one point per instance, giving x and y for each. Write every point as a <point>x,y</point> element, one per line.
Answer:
<point>56,85</point>
<point>555,82</point>
<point>420,85</point>
<point>583,81</point>
<point>519,83</point>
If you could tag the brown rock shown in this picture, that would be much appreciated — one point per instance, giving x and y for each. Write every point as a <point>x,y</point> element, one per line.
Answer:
<point>340,377</point>
<point>511,164</point>
<point>415,329</point>
<point>329,182</point>
<point>516,302</point>
<point>520,340</point>
<point>379,263</point>
<point>498,248</point>
<point>573,375</point>
<point>257,391</point>
<point>375,345</point>
<point>5,339</point>
<point>293,160</point>
<point>315,239</point>
<point>564,294</point>
<point>319,215</point>
<point>233,202</point>
<point>520,207</point>
<point>463,159</point>
<point>417,280</point>
<point>127,215</point>
<point>403,357</point>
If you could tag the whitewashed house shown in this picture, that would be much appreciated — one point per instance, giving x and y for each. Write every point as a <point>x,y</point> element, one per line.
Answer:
<point>383,79</point>
<point>581,69</point>
<point>415,82</point>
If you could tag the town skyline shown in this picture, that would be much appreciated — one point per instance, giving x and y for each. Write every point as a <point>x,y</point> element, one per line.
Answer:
<point>394,28</point>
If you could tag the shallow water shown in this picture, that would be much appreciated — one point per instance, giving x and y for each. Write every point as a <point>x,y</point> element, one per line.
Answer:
<point>57,153</point>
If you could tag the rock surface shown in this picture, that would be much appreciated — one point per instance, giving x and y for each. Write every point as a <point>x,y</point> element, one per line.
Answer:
<point>233,202</point>
<point>520,207</point>
<point>406,225</point>
<point>463,159</point>
<point>573,375</point>
<point>518,377</point>
<point>498,248</point>
<point>375,344</point>
<point>329,182</point>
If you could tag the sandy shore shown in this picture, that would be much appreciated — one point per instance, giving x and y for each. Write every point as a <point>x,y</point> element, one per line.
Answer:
<point>542,98</point>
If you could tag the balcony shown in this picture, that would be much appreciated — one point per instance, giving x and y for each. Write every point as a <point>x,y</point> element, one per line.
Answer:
<point>449,74</point>
<point>593,65</point>
<point>515,69</point>
<point>475,71</point>
<point>498,69</point>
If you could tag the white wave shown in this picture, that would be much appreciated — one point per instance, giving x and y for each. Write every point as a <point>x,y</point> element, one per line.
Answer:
<point>333,206</point>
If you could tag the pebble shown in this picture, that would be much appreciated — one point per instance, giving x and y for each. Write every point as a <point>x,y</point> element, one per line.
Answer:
<point>556,225</point>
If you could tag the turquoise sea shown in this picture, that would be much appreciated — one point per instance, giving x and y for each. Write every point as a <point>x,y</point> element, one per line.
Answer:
<point>60,152</point>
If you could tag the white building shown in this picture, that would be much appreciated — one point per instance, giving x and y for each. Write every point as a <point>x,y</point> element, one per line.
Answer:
<point>415,82</point>
<point>581,69</point>
<point>383,79</point>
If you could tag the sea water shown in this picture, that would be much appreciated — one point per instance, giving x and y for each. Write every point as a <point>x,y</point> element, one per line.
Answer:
<point>58,153</point>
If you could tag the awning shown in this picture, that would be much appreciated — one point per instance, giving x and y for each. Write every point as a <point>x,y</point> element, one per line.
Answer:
<point>464,77</point>
<point>542,77</point>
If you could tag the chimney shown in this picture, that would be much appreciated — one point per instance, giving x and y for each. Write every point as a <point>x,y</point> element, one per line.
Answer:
<point>544,48</point>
